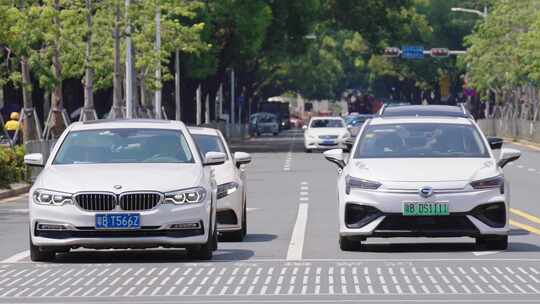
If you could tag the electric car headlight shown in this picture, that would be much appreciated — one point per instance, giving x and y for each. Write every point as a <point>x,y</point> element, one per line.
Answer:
<point>358,183</point>
<point>52,198</point>
<point>489,183</point>
<point>226,189</point>
<point>186,196</point>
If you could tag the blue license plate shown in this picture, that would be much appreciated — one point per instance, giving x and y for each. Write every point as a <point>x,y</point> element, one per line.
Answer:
<point>118,221</point>
<point>329,142</point>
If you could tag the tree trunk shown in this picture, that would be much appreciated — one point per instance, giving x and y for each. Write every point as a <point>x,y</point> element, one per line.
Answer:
<point>116,110</point>
<point>88,109</point>
<point>28,126</point>
<point>57,123</point>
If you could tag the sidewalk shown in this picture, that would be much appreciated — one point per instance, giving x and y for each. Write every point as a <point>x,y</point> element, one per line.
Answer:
<point>16,189</point>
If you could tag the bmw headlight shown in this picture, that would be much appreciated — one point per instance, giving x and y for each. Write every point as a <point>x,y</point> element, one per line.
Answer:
<point>51,198</point>
<point>358,183</point>
<point>310,136</point>
<point>186,196</point>
<point>224,190</point>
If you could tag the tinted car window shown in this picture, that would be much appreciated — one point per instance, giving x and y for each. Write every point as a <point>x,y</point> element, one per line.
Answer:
<point>327,123</point>
<point>124,146</point>
<point>209,143</point>
<point>420,140</point>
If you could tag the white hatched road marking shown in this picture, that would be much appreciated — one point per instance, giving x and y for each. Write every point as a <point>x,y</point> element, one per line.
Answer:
<point>293,278</point>
<point>17,257</point>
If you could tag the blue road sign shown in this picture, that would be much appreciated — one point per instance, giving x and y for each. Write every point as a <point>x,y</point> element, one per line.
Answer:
<point>412,52</point>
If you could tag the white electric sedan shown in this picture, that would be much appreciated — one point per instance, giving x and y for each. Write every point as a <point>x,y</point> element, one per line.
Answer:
<point>231,180</point>
<point>325,133</point>
<point>124,184</point>
<point>423,177</point>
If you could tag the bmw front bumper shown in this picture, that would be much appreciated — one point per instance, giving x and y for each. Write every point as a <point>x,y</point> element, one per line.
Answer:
<point>159,227</point>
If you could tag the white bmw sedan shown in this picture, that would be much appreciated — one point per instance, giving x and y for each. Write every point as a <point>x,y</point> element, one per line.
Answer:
<point>231,180</point>
<point>124,184</point>
<point>325,133</point>
<point>423,177</point>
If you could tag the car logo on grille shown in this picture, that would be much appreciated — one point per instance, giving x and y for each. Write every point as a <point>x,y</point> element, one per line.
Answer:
<point>117,187</point>
<point>425,191</point>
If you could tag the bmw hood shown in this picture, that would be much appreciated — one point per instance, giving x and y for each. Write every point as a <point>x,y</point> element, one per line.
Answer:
<point>131,177</point>
<point>421,170</point>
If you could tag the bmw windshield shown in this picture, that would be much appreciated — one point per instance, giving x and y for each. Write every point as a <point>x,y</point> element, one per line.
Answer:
<point>421,140</point>
<point>124,146</point>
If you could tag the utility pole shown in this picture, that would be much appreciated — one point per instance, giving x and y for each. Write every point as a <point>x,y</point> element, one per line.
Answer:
<point>157,95</point>
<point>232,97</point>
<point>178,115</point>
<point>129,67</point>
<point>198,110</point>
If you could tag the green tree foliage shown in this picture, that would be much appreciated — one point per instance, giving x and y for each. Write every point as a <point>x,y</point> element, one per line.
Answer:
<point>502,49</point>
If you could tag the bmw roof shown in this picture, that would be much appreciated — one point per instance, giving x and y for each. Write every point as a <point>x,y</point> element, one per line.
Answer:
<point>425,110</point>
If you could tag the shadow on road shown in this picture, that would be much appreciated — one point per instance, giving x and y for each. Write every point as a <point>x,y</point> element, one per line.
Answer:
<point>444,247</point>
<point>253,238</point>
<point>292,140</point>
<point>259,238</point>
<point>146,256</point>
<point>517,232</point>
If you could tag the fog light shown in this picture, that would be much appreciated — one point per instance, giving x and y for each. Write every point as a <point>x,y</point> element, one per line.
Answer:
<point>492,214</point>
<point>357,216</point>
<point>184,226</point>
<point>47,226</point>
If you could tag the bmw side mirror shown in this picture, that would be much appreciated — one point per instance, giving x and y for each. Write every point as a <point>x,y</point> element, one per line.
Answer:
<point>304,127</point>
<point>335,156</point>
<point>214,158</point>
<point>241,158</point>
<point>34,160</point>
<point>495,143</point>
<point>508,156</point>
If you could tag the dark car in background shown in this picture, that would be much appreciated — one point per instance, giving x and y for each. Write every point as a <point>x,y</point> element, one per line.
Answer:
<point>262,123</point>
<point>280,110</point>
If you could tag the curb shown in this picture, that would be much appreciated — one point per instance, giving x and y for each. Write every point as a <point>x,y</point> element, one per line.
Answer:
<point>523,143</point>
<point>18,190</point>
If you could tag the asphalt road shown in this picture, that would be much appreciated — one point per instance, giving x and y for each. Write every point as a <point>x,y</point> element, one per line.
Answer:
<point>291,254</point>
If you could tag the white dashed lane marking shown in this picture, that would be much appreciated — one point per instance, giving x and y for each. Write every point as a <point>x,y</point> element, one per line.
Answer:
<point>288,160</point>
<point>296,244</point>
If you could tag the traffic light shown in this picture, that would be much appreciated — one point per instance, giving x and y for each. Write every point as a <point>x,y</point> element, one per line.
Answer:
<point>392,52</point>
<point>439,52</point>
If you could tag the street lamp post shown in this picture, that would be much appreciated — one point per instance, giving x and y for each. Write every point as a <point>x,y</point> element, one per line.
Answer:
<point>129,66</point>
<point>472,11</point>
<point>484,15</point>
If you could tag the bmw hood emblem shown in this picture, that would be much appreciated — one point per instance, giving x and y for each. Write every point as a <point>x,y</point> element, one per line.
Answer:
<point>117,187</point>
<point>425,191</point>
